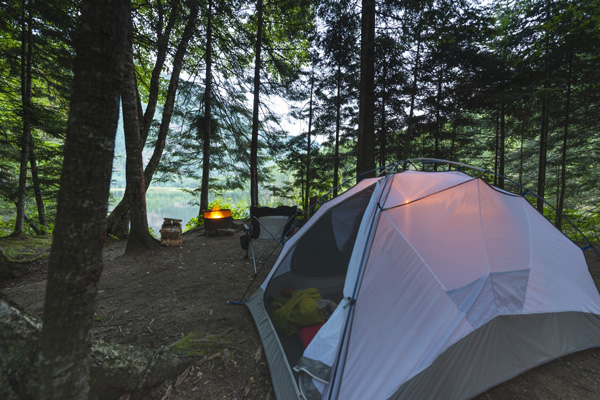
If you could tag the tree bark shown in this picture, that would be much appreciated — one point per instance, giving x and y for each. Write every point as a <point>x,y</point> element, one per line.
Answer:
<point>383,129</point>
<point>255,108</point>
<point>496,147</point>
<point>413,95</point>
<point>365,163</point>
<point>118,220</point>
<point>563,162</point>
<point>544,125</point>
<point>187,35</point>
<point>308,140</point>
<point>37,190</point>
<point>438,129</point>
<point>502,145</point>
<point>207,131</point>
<point>543,155</point>
<point>76,255</point>
<point>139,236</point>
<point>115,369</point>
<point>26,59</point>
<point>162,47</point>
<point>338,120</point>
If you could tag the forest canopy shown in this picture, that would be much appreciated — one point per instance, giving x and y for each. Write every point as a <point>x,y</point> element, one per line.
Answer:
<point>233,94</point>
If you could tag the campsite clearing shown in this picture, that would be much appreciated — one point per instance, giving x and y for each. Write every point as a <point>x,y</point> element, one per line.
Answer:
<point>156,298</point>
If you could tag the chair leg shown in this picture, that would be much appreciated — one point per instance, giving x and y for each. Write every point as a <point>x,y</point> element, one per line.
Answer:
<point>251,247</point>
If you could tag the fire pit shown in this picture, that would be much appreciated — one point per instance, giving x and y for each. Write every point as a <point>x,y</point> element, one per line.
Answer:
<point>216,219</point>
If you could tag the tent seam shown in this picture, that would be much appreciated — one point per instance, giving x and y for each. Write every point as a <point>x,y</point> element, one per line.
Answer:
<point>485,248</point>
<point>414,250</point>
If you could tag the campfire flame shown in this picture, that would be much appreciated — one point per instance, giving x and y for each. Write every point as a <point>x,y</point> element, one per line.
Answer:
<point>216,213</point>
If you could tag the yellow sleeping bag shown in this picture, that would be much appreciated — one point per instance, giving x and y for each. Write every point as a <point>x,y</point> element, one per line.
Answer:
<point>290,314</point>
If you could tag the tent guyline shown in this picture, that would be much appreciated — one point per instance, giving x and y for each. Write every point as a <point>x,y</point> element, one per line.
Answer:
<point>434,274</point>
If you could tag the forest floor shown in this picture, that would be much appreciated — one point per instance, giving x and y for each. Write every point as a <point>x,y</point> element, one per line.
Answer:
<point>162,296</point>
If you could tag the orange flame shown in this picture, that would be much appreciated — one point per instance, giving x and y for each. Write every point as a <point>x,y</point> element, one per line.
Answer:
<point>216,213</point>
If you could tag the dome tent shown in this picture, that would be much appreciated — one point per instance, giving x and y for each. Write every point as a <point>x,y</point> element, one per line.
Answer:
<point>446,287</point>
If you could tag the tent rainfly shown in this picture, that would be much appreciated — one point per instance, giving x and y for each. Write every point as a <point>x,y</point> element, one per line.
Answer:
<point>445,287</point>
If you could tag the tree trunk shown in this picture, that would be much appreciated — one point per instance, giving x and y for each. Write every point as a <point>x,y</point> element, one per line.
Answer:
<point>541,189</point>
<point>365,163</point>
<point>76,255</point>
<point>117,223</point>
<point>338,118</point>
<point>37,190</point>
<point>502,145</point>
<point>544,125</point>
<point>383,130</point>
<point>308,139</point>
<point>496,146</point>
<point>187,35</point>
<point>139,236</point>
<point>255,108</point>
<point>438,102</point>
<point>26,59</point>
<point>162,48</point>
<point>563,162</point>
<point>118,220</point>
<point>413,95</point>
<point>207,115</point>
<point>115,369</point>
<point>453,140</point>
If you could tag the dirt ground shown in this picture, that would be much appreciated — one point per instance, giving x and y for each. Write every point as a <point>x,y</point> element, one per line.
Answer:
<point>160,297</point>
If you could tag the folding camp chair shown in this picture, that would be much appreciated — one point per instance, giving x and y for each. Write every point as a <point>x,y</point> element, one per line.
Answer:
<point>267,223</point>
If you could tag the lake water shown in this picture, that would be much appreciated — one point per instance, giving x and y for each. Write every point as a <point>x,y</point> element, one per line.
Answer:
<point>174,203</point>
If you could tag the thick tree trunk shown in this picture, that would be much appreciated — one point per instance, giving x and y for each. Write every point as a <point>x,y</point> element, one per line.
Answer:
<point>365,163</point>
<point>118,220</point>
<point>139,236</point>
<point>255,108</point>
<point>114,369</point>
<point>207,131</point>
<point>26,59</point>
<point>117,223</point>
<point>76,255</point>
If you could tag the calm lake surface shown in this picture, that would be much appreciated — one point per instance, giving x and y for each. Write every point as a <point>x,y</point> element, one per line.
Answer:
<point>174,203</point>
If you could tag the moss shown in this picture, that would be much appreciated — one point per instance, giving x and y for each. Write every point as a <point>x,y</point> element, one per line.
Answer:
<point>26,247</point>
<point>194,345</point>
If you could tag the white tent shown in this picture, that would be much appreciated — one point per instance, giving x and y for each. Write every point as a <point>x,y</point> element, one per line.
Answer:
<point>446,287</point>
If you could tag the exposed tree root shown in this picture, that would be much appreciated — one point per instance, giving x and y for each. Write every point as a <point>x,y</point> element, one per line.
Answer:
<point>115,369</point>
